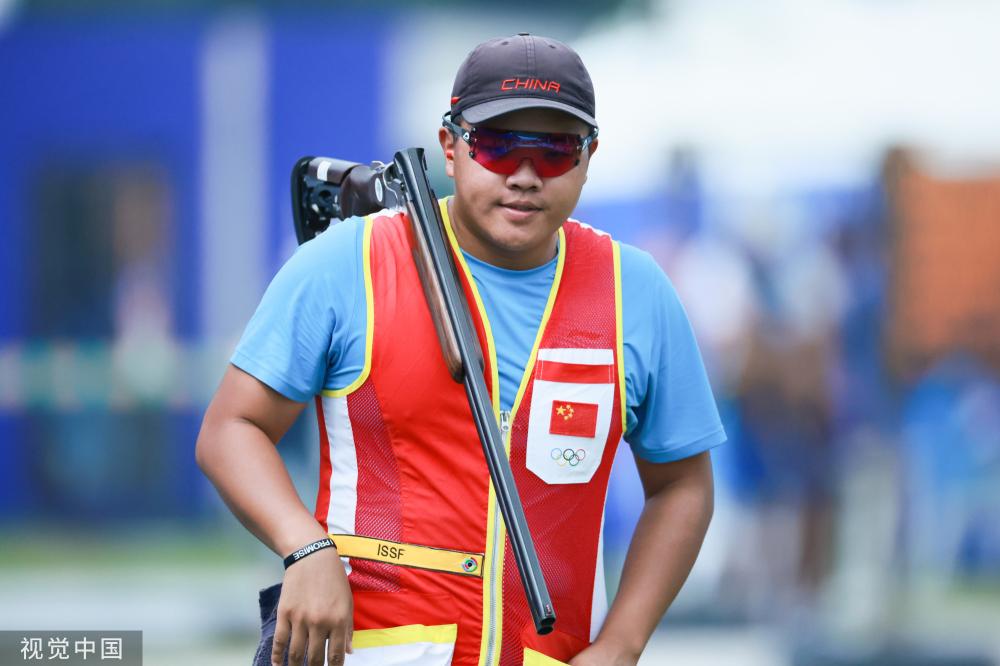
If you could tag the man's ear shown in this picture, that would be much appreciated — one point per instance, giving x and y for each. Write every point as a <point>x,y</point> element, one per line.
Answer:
<point>447,140</point>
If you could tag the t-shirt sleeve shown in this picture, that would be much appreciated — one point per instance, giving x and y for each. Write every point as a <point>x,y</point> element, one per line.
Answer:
<point>300,326</point>
<point>671,412</point>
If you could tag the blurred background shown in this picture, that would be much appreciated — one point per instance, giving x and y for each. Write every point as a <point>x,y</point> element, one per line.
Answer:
<point>820,179</point>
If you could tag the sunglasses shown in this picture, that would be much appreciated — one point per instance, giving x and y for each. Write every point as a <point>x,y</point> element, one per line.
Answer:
<point>502,151</point>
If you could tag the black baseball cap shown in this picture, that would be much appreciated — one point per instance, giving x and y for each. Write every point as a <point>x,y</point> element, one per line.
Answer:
<point>522,72</point>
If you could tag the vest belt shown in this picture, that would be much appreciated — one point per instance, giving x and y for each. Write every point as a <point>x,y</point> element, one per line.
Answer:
<point>409,555</point>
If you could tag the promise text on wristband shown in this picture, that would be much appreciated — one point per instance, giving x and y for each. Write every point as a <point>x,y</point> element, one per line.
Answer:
<point>307,550</point>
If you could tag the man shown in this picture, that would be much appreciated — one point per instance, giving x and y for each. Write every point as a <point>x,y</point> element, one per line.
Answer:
<point>584,340</point>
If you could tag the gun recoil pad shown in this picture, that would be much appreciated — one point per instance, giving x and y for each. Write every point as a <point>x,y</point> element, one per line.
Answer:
<point>361,192</point>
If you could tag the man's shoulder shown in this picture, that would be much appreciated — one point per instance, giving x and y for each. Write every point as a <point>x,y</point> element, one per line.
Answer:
<point>338,234</point>
<point>644,282</point>
<point>639,262</point>
<point>333,250</point>
<point>634,261</point>
<point>574,225</point>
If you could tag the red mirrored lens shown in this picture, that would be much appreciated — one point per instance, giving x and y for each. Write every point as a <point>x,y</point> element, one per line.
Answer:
<point>503,152</point>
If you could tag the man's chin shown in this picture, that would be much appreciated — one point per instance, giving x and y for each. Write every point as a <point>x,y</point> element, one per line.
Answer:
<point>515,248</point>
<point>515,240</point>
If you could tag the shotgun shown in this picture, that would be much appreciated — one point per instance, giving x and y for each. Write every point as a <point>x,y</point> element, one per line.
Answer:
<point>324,189</point>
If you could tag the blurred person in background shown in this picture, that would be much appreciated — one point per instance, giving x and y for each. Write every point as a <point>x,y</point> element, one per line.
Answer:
<point>406,558</point>
<point>786,463</point>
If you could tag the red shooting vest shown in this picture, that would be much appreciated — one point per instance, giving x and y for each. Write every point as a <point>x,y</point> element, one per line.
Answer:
<point>404,488</point>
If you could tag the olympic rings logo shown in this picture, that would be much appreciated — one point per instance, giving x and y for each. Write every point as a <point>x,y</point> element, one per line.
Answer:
<point>571,457</point>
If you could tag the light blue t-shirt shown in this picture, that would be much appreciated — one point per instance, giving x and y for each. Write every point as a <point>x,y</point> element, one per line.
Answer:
<point>308,335</point>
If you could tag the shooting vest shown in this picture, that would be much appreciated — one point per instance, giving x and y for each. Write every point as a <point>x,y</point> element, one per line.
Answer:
<point>404,488</point>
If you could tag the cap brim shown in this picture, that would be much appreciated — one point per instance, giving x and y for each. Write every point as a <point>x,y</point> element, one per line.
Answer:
<point>497,107</point>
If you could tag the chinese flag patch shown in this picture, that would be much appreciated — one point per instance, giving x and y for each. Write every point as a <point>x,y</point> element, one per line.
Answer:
<point>577,419</point>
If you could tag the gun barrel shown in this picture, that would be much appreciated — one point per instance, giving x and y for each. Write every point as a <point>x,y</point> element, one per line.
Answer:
<point>425,216</point>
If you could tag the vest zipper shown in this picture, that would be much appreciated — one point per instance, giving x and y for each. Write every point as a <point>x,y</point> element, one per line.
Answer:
<point>504,425</point>
<point>491,639</point>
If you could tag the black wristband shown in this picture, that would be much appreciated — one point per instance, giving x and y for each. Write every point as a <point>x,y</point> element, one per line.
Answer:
<point>307,550</point>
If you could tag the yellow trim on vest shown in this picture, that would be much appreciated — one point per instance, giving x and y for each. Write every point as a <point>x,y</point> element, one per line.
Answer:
<point>534,658</point>
<point>495,530</point>
<point>366,252</point>
<point>619,335</point>
<point>411,633</point>
<point>409,554</point>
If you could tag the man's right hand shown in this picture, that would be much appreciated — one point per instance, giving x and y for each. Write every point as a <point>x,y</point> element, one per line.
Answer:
<point>315,608</point>
<point>237,451</point>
